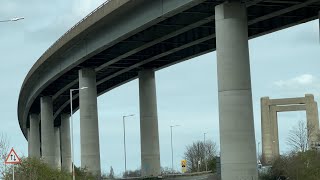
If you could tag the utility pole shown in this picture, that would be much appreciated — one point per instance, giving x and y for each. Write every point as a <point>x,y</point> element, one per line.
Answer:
<point>124,141</point>
<point>205,150</point>
<point>172,146</point>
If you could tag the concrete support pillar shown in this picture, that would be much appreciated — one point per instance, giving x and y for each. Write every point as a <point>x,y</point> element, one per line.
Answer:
<point>66,163</point>
<point>237,138</point>
<point>47,131</point>
<point>275,132</point>
<point>266,131</point>
<point>150,152</point>
<point>89,128</point>
<point>29,143</point>
<point>57,147</point>
<point>312,120</point>
<point>34,136</point>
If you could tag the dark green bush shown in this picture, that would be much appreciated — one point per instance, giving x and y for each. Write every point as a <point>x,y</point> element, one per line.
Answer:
<point>295,166</point>
<point>35,169</point>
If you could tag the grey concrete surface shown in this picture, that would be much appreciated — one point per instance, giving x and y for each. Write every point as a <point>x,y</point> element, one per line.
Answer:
<point>34,137</point>
<point>57,143</point>
<point>275,132</point>
<point>266,131</point>
<point>149,133</point>
<point>89,128</point>
<point>286,101</point>
<point>290,108</point>
<point>47,131</point>
<point>312,120</point>
<point>237,138</point>
<point>269,121</point>
<point>66,161</point>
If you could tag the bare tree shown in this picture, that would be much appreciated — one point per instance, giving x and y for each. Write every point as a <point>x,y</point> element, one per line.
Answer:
<point>4,150</point>
<point>198,151</point>
<point>300,135</point>
<point>111,173</point>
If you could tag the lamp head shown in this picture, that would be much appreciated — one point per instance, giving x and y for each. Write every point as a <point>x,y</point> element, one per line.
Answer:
<point>175,125</point>
<point>129,115</point>
<point>16,18</point>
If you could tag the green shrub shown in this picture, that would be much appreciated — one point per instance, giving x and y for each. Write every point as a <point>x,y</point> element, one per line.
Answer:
<point>83,174</point>
<point>31,168</point>
<point>301,165</point>
<point>35,169</point>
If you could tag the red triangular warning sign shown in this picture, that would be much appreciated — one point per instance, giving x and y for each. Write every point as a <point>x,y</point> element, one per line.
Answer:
<point>12,158</point>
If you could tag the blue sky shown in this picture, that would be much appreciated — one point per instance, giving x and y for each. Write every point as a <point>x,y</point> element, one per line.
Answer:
<point>283,64</point>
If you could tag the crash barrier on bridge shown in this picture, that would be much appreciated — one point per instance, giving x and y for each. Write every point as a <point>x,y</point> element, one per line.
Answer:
<point>171,176</point>
<point>218,167</point>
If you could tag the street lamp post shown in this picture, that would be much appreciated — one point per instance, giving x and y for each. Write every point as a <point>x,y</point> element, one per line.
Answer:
<point>12,19</point>
<point>258,151</point>
<point>71,109</point>
<point>124,141</point>
<point>205,153</point>
<point>172,146</point>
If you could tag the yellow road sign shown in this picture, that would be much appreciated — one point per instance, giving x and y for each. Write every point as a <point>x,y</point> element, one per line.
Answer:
<point>183,163</point>
<point>183,166</point>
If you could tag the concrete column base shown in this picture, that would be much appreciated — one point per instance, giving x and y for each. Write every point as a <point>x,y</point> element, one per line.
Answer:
<point>47,131</point>
<point>34,136</point>
<point>57,148</point>
<point>66,161</point>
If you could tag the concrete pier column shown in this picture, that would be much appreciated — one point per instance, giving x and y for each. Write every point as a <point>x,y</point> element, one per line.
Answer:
<point>29,143</point>
<point>89,128</point>
<point>150,153</point>
<point>47,131</point>
<point>57,147</point>
<point>266,131</point>
<point>312,120</point>
<point>34,136</point>
<point>275,132</point>
<point>237,138</point>
<point>66,161</point>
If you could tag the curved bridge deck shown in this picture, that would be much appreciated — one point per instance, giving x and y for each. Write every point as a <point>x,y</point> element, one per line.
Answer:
<point>122,37</point>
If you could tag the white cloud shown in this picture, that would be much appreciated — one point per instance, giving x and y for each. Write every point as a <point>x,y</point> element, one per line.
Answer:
<point>297,82</point>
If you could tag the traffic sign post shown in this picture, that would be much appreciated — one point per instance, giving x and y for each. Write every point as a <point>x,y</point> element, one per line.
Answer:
<point>184,165</point>
<point>13,159</point>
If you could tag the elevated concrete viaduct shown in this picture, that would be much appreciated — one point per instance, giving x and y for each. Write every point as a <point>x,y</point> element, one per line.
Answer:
<point>127,39</point>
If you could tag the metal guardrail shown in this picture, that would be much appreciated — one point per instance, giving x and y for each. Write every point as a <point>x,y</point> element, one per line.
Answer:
<point>186,174</point>
<point>165,176</point>
<point>73,27</point>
